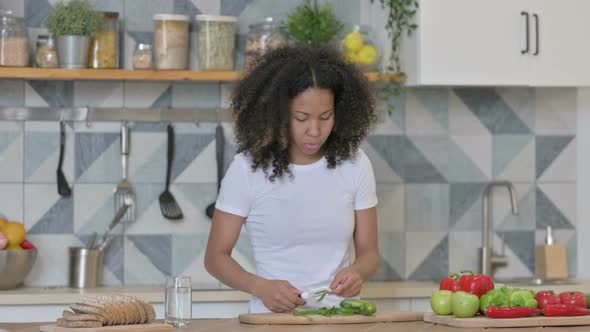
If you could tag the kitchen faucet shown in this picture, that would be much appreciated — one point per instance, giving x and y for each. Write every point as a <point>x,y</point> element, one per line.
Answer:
<point>487,258</point>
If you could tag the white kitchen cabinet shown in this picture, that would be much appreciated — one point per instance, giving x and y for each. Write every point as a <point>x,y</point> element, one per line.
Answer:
<point>499,42</point>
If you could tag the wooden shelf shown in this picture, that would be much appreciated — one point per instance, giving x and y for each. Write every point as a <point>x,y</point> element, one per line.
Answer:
<point>139,75</point>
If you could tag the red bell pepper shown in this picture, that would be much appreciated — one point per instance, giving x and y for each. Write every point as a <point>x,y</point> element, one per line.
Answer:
<point>450,283</point>
<point>552,310</point>
<point>511,312</point>
<point>546,297</point>
<point>475,284</point>
<point>575,298</point>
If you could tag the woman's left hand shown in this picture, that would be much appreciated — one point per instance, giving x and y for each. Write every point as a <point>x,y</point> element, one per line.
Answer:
<point>347,283</point>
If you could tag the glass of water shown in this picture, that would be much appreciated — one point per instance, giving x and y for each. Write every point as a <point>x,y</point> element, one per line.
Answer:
<point>178,306</point>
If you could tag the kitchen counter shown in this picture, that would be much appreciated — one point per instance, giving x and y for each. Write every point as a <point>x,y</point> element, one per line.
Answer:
<point>232,325</point>
<point>154,294</point>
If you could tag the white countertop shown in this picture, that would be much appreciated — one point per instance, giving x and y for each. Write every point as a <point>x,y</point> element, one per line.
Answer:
<point>155,294</point>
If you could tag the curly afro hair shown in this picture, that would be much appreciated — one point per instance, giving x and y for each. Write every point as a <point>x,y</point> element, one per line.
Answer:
<point>261,105</point>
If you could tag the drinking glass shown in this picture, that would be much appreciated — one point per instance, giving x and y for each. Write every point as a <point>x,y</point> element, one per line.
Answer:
<point>178,306</point>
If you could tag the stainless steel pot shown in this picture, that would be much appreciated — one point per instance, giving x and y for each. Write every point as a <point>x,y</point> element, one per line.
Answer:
<point>72,51</point>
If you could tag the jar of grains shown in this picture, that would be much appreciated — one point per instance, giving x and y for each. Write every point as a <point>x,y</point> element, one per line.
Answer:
<point>104,46</point>
<point>262,38</point>
<point>14,48</point>
<point>46,52</point>
<point>217,39</point>
<point>171,40</point>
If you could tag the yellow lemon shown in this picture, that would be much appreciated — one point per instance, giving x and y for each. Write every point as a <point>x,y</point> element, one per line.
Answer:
<point>353,41</point>
<point>367,55</point>
<point>14,247</point>
<point>15,233</point>
<point>352,57</point>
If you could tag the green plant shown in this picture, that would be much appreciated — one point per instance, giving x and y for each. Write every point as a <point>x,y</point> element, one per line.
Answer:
<point>313,25</point>
<point>400,15</point>
<point>76,18</point>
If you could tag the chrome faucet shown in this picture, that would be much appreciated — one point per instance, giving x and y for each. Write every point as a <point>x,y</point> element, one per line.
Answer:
<point>488,259</point>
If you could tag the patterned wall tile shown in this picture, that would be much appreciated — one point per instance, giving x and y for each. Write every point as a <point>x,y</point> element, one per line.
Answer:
<point>462,121</point>
<point>12,93</point>
<point>502,216</point>
<point>36,12</point>
<point>140,267</point>
<point>94,208</point>
<point>98,94</point>
<point>139,13</point>
<point>42,149</point>
<point>188,254</point>
<point>191,95</point>
<point>51,267</point>
<point>548,148</point>
<point>522,102</point>
<point>435,150</point>
<point>427,207</point>
<point>555,111</point>
<point>144,95</point>
<point>466,206</point>
<point>435,264</point>
<point>417,167</point>
<point>390,210</point>
<point>514,157</point>
<point>492,111</point>
<point>11,152</point>
<point>470,158</point>
<point>97,157</point>
<point>556,205</point>
<point>12,201</point>
<point>46,212</point>
<point>564,166</point>
<point>463,250</point>
<point>49,93</point>
<point>393,259</point>
<point>522,243</point>
<point>429,111</point>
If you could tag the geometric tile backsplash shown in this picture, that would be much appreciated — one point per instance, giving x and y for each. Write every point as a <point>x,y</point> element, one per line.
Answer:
<point>432,159</point>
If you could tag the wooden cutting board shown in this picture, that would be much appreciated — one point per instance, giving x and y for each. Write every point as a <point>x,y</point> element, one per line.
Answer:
<point>289,319</point>
<point>153,327</point>
<point>481,321</point>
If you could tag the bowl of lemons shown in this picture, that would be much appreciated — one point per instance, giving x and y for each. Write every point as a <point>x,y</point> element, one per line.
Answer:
<point>17,255</point>
<point>359,48</point>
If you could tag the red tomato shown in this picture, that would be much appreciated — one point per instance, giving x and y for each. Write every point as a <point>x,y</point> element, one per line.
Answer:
<point>575,298</point>
<point>546,297</point>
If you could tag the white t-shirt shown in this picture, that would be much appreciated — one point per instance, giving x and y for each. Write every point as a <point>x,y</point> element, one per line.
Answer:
<point>301,227</point>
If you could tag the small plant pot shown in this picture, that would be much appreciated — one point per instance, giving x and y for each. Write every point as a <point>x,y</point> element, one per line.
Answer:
<point>72,51</point>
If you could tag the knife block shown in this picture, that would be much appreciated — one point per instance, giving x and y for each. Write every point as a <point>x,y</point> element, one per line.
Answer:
<point>551,261</point>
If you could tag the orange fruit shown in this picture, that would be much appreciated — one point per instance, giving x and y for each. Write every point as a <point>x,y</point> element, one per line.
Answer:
<point>15,233</point>
<point>14,247</point>
<point>3,222</point>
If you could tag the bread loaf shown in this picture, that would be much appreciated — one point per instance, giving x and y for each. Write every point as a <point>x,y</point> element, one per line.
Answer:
<point>116,309</point>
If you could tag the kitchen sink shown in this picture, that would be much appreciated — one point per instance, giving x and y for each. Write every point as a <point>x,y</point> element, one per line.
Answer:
<point>533,281</point>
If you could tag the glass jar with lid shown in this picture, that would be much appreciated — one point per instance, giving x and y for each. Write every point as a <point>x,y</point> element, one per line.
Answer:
<point>104,46</point>
<point>217,37</point>
<point>14,45</point>
<point>46,52</point>
<point>359,48</point>
<point>171,41</point>
<point>142,56</point>
<point>262,38</point>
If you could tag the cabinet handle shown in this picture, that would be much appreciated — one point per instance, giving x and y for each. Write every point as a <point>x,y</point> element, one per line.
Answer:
<point>526,21</point>
<point>536,34</point>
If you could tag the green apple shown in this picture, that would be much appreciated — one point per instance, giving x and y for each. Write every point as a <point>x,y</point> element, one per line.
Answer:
<point>464,305</point>
<point>440,302</point>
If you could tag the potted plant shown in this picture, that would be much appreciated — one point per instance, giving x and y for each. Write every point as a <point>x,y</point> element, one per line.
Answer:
<point>73,24</point>
<point>312,25</point>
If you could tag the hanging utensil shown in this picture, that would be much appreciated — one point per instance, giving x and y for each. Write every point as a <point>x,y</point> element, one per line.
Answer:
<point>91,240</point>
<point>124,190</point>
<point>62,184</point>
<point>106,237</point>
<point>219,152</point>
<point>168,205</point>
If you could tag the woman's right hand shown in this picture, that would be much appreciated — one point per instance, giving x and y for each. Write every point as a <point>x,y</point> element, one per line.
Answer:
<point>279,296</point>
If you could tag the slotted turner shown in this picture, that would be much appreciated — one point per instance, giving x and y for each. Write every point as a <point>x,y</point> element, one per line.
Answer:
<point>124,191</point>
<point>168,205</point>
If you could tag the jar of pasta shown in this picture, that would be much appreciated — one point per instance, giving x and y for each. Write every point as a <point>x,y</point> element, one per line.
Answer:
<point>14,44</point>
<point>46,52</point>
<point>171,41</point>
<point>104,46</point>
<point>217,37</point>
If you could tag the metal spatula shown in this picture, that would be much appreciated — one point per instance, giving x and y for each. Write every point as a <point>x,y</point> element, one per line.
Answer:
<point>62,184</point>
<point>124,191</point>
<point>168,205</point>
